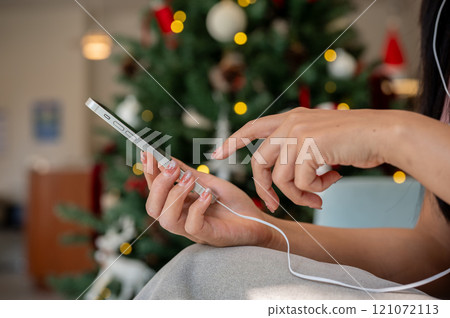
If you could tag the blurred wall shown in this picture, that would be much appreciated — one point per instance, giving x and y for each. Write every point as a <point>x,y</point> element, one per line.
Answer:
<point>41,59</point>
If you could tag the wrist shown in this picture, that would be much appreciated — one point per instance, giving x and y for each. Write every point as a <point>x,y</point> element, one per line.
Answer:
<point>272,238</point>
<point>392,135</point>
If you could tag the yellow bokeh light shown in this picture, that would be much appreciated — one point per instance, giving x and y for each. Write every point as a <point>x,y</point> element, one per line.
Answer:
<point>240,108</point>
<point>399,177</point>
<point>330,55</point>
<point>147,115</point>
<point>105,294</point>
<point>138,168</point>
<point>203,168</point>
<point>177,26</point>
<point>180,16</point>
<point>244,3</point>
<point>343,106</point>
<point>330,87</point>
<point>240,38</point>
<point>125,248</point>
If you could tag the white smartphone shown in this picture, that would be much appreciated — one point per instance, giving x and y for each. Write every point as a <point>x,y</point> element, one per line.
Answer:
<point>111,118</point>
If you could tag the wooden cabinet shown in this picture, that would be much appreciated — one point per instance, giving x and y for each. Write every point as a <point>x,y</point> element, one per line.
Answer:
<point>47,255</point>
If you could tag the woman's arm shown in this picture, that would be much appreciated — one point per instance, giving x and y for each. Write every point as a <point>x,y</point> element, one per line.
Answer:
<point>400,255</point>
<point>362,138</point>
<point>420,146</point>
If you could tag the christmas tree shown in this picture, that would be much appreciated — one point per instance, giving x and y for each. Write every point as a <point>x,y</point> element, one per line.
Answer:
<point>226,62</point>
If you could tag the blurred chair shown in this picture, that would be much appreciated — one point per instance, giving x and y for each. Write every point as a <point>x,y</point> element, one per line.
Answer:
<point>364,202</point>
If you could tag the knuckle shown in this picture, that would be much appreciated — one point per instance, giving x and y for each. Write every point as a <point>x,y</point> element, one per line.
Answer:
<point>297,129</point>
<point>167,224</point>
<point>278,179</point>
<point>257,161</point>
<point>150,211</point>
<point>301,184</point>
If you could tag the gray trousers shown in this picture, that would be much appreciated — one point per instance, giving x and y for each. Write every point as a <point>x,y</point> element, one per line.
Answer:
<point>248,272</point>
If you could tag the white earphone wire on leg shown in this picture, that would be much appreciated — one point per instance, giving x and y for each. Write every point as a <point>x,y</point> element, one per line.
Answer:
<point>332,281</point>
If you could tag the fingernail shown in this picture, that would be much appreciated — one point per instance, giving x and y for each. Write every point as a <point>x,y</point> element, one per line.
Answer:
<point>270,207</point>
<point>217,153</point>
<point>205,194</point>
<point>143,157</point>
<point>170,169</point>
<point>186,177</point>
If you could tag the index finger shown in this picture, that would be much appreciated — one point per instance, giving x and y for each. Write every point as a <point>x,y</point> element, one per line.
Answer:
<point>255,129</point>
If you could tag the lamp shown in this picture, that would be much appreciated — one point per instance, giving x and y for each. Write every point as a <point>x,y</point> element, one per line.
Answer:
<point>96,46</point>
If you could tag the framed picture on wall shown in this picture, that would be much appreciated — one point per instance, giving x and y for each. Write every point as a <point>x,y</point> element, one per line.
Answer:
<point>47,120</point>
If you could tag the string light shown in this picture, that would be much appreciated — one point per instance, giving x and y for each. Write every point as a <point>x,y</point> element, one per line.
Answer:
<point>203,168</point>
<point>177,26</point>
<point>343,106</point>
<point>240,108</point>
<point>240,38</point>
<point>330,87</point>
<point>330,55</point>
<point>105,294</point>
<point>147,115</point>
<point>180,16</point>
<point>244,3</point>
<point>125,248</point>
<point>399,177</point>
<point>138,168</point>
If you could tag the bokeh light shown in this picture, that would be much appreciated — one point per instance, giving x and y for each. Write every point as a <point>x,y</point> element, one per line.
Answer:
<point>330,55</point>
<point>330,87</point>
<point>240,108</point>
<point>180,16</point>
<point>399,177</point>
<point>147,115</point>
<point>343,106</point>
<point>203,168</point>
<point>240,38</point>
<point>177,26</point>
<point>125,248</point>
<point>138,168</point>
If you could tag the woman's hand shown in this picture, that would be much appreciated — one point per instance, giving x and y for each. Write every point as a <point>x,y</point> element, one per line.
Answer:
<point>352,137</point>
<point>184,213</point>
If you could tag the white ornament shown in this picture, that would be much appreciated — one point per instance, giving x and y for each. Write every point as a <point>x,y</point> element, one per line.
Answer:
<point>326,105</point>
<point>344,66</point>
<point>129,110</point>
<point>224,168</point>
<point>132,274</point>
<point>224,20</point>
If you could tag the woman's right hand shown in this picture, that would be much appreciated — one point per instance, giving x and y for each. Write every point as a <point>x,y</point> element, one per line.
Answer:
<point>184,213</point>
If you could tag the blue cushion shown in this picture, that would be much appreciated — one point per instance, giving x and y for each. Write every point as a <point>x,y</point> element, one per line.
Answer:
<point>364,202</point>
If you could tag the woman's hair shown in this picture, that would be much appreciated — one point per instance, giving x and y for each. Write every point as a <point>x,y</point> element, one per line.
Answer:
<point>433,94</point>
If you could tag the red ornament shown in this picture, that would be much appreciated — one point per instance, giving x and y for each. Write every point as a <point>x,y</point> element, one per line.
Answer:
<point>304,97</point>
<point>164,16</point>
<point>136,184</point>
<point>393,53</point>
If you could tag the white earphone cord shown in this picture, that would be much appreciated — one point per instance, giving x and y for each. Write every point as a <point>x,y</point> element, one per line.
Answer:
<point>332,281</point>
<point>438,65</point>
